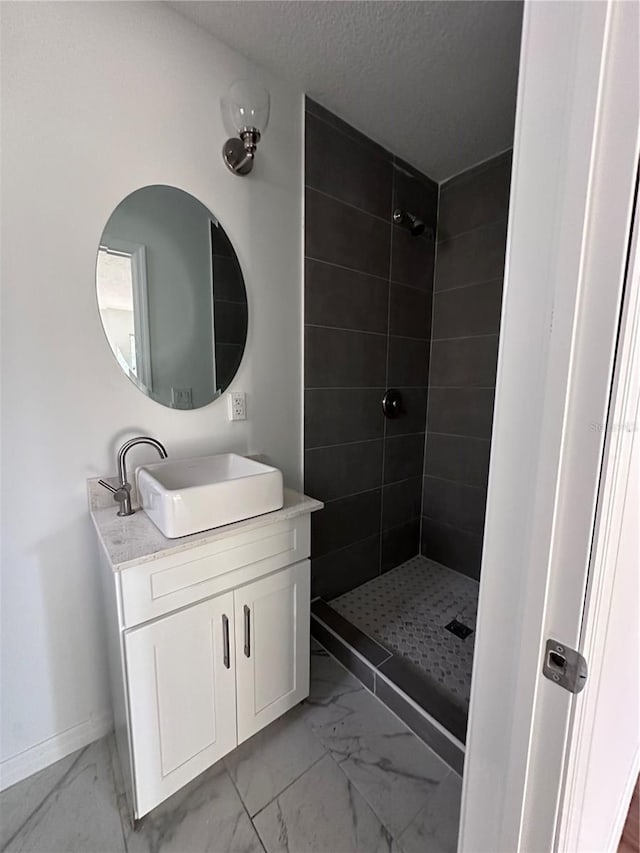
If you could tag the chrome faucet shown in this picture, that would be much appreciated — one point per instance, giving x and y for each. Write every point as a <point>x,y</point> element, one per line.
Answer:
<point>122,494</point>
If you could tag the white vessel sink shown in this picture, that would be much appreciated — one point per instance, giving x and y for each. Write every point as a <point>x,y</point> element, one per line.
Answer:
<point>186,496</point>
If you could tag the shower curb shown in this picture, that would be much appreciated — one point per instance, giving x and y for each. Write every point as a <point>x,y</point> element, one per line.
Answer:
<point>378,670</point>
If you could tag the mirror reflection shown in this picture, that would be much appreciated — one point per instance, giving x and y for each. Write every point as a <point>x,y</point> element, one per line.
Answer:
<point>171,297</point>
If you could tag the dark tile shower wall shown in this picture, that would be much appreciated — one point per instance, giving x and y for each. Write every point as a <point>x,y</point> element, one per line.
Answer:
<point>368,295</point>
<point>472,225</point>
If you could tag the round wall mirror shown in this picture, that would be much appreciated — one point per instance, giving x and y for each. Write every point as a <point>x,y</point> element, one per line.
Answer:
<point>171,297</point>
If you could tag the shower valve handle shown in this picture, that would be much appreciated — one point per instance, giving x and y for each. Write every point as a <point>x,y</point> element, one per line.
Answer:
<point>392,403</point>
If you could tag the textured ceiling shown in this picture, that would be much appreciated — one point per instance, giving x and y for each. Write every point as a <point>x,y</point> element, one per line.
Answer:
<point>434,82</point>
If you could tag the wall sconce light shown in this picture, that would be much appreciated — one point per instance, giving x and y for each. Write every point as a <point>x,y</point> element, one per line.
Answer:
<point>245,112</point>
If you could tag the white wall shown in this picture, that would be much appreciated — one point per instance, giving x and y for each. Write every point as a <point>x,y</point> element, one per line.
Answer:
<point>97,100</point>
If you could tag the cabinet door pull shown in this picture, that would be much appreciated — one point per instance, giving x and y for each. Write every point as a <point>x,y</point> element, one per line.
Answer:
<point>225,642</point>
<point>247,632</point>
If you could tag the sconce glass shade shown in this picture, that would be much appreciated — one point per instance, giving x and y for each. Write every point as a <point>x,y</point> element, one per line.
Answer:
<point>245,106</point>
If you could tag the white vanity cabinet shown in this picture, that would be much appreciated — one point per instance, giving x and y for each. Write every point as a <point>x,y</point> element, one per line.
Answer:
<point>182,697</point>
<point>272,647</point>
<point>208,641</point>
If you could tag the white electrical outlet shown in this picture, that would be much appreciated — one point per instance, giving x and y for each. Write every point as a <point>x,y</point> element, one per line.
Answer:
<point>237,406</point>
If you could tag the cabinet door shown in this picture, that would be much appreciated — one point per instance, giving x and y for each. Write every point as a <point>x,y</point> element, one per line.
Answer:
<point>181,683</point>
<point>272,646</point>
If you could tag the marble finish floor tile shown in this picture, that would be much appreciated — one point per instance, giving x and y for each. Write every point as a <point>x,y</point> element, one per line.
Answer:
<point>264,765</point>
<point>435,828</point>
<point>205,815</point>
<point>393,770</point>
<point>339,773</point>
<point>18,802</point>
<point>330,683</point>
<point>80,814</point>
<point>324,813</point>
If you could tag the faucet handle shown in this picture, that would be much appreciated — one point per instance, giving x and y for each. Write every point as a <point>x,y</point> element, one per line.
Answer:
<point>120,494</point>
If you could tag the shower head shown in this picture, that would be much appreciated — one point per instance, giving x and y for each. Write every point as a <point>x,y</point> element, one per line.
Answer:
<point>408,220</point>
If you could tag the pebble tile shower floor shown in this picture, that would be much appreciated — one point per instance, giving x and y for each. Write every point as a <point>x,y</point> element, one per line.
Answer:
<point>407,608</point>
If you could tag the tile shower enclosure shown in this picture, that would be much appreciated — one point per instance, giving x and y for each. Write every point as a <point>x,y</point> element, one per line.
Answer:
<point>385,309</point>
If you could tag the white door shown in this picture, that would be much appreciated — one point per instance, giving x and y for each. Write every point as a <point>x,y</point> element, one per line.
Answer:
<point>574,175</point>
<point>272,646</point>
<point>603,756</point>
<point>181,682</point>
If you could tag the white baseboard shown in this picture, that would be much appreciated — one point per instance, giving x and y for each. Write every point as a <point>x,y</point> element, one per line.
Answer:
<point>37,757</point>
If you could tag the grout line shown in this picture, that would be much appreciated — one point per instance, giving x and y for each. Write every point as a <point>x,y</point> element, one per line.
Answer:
<point>363,441</point>
<point>353,495</point>
<point>472,172</point>
<point>405,434</point>
<point>382,486</point>
<point>50,792</point>
<point>345,329</point>
<point>394,283</point>
<point>360,138</point>
<point>386,375</point>
<point>425,290</point>
<point>475,283</point>
<point>369,388</point>
<point>455,527</point>
<point>348,388</point>
<point>430,366</point>
<point>119,796</point>
<point>335,632</point>
<point>343,444</point>
<point>462,387</point>
<point>329,653</point>
<point>471,230</point>
<point>410,338</point>
<point>459,435</point>
<point>450,569</point>
<point>366,539</point>
<point>390,437</point>
<point>409,171</point>
<point>346,203</point>
<point>344,548</point>
<point>455,482</point>
<point>480,283</point>
<point>353,134</point>
<point>428,718</point>
<point>369,332</point>
<point>467,337</point>
<point>244,806</point>
<point>343,267</point>
<point>376,387</point>
<point>293,781</point>
<point>391,839</point>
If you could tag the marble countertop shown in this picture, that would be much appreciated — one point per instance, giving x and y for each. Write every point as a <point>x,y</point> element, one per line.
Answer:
<point>135,539</point>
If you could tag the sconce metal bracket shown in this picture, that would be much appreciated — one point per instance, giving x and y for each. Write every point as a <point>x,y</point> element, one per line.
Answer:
<point>238,152</point>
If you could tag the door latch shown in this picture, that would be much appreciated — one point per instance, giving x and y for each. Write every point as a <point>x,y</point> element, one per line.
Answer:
<point>565,666</point>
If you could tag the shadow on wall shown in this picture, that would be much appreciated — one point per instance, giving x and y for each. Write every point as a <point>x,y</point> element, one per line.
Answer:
<point>73,652</point>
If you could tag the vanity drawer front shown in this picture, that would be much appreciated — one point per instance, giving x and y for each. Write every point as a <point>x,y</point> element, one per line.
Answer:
<point>166,584</point>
